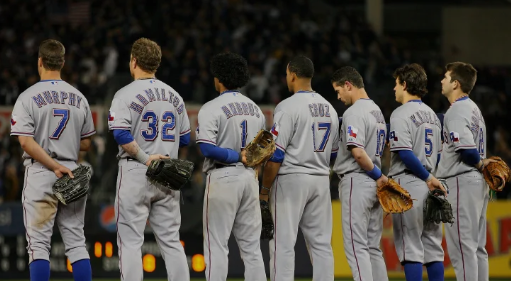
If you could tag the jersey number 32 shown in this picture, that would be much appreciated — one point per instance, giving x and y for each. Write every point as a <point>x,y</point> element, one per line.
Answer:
<point>169,123</point>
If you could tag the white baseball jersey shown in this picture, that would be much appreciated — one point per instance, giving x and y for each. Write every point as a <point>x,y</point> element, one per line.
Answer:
<point>57,115</point>
<point>464,128</point>
<point>414,126</point>
<point>154,113</point>
<point>306,128</point>
<point>363,125</point>
<point>231,120</point>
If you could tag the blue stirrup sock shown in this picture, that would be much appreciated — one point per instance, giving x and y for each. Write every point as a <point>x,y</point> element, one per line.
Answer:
<point>82,270</point>
<point>39,270</point>
<point>435,271</point>
<point>413,271</point>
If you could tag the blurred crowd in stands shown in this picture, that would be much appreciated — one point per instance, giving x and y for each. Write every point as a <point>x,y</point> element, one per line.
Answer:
<point>98,35</point>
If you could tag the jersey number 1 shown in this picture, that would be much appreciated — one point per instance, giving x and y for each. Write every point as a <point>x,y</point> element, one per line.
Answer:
<point>169,123</point>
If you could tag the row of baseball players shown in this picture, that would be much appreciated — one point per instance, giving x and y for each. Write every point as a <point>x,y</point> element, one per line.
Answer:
<point>149,121</point>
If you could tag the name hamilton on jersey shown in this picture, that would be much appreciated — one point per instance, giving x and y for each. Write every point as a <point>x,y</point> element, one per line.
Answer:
<point>157,95</point>
<point>54,97</point>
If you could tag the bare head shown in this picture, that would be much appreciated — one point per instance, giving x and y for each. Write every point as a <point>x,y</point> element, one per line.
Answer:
<point>411,82</point>
<point>299,73</point>
<point>51,56</point>
<point>230,71</point>
<point>347,82</point>
<point>145,58</point>
<point>459,79</point>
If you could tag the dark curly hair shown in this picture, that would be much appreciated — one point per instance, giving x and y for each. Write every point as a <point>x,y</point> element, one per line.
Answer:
<point>415,78</point>
<point>230,69</point>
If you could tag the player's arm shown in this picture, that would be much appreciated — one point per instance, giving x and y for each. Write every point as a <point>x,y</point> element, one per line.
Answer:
<point>85,144</point>
<point>282,130</point>
<point>32,148</point>
<point>128,144</point>
<point>462,138</point>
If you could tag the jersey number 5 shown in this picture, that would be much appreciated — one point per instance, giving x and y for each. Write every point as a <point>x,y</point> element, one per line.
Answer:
<point>321,126</point>
<point>428,148</point>
<point>169,124</point>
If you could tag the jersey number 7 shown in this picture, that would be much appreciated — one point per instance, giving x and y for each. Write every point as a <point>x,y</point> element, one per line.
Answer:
<point>321,126</point>
<point>62,123</point>
<point>169,123</point>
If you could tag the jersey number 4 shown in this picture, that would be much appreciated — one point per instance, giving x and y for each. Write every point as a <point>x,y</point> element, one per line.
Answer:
<point>322,126</point>
<point>169,123</point>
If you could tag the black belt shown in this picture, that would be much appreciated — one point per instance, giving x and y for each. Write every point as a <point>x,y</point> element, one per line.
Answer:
<point>131,159</point>
<point>406,172</point>
<point>220,165</point>
<point>343,175</point>
<point>32,160</point>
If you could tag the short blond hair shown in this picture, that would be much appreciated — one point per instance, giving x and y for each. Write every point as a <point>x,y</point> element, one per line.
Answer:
<point>147,53</point>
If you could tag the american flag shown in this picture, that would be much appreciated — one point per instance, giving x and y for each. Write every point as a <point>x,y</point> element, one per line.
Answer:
<point>79,13</point>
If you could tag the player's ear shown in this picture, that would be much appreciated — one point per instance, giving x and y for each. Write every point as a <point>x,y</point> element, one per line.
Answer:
<point>40,62</point>
<point>347,85</point>
<point>404,85</point>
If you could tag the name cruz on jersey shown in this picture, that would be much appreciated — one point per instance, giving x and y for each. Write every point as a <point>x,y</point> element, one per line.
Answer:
<point>319,110</point>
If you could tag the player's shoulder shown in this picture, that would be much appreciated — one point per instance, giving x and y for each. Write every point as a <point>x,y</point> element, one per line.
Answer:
<point>287,105</point>
<point>460,109</point>
<point>125,91</point>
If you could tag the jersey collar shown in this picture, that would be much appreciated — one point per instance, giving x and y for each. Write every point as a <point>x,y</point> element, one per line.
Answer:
<point>419,101</point>
<point>229,91</point>
<point>462,98</point>
<point>305,92</point>
<point>50,80</point>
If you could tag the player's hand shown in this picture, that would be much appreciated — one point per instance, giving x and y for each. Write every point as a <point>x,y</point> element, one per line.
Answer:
<point>244,156</point>
<point>60,171</point>
<point>485,163</point>
<point>434,183</point>
<point>382,180</point>
<point>264,197</point>
<point>155,157</point>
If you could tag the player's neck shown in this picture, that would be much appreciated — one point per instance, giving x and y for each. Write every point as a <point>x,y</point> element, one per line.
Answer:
<point>456,96</point>
<point>143,75</point>
<point>359,94</point>
<point>304,86</point>
<point>409,97</point>
<point>50,75</point>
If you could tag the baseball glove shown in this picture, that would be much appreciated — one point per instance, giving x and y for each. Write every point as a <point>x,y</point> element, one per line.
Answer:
<point>497,174</point>
<point>260,149</point>
<point>437,209</point>
<point>68,190</point>
<point>393,198</point>
<point>267,228</point>
<point>169,174</point>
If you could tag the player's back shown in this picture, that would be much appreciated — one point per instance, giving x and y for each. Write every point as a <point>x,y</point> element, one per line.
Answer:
<point>363,125</point>
<point>464,128</point>
<point>312,135</point>
<point>232,120</point>
<point>56,114</point>
<point>154,113</point>
<point>414,126</point>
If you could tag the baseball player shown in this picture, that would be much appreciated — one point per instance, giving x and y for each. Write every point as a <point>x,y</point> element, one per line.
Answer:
<point>296,178</point>
<point>149,121</point>
<point>53,122</point>
<point>415,144</point>
<point>461,161</point>
<point>226,125</point>
<point>362,140</point>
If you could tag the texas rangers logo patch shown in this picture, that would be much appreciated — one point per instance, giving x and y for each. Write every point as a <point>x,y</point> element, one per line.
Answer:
<point>275,130</point>
<point>393,136</point>
<point>455,137</point>
<point>13,120</point>
<point>111,117</point>
<point>352,132</point>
